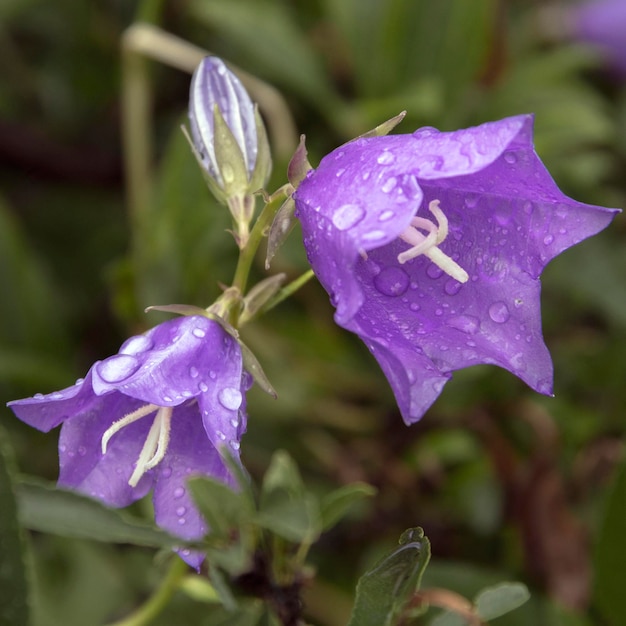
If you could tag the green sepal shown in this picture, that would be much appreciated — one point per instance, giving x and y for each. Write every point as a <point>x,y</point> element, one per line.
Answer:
<point>263,164</point>
<point>229,158</point>
<point>283,224</point>
<point>385,128</point>
<point>500,599</point>
<point>178,309</point>
<point>299,164</point>
<point>259,295</point>
<point>383,592</point>
<point>212,184</point>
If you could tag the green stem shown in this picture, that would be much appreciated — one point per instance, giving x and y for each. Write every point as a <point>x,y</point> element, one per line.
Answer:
<point>246,257</point>
<point>287,291</point>
<point>159,599</point>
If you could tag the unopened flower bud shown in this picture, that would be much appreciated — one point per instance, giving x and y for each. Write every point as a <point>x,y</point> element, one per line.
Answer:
<point>229,138</point>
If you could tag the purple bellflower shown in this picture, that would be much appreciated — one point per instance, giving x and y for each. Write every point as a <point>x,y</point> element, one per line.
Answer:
<point>149,417</point>
<point>431,246</point>
<point>603,23</point>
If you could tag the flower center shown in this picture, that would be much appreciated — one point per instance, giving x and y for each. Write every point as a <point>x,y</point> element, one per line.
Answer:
<point>155,445</point>
<point>428,244</point>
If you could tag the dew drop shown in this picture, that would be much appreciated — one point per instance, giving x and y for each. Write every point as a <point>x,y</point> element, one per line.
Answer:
<point>230,398</point>
<point>166,472</point>
<point>212,375</point>
<point>548,239</point>
<point>235,445</point>
<point>181,510</point>
<point>373,235</point>
<point>193,372</point>
<point>198,332</point>
<point>182,521</point>
<point>179,492</point>
<point>348,216</point>
<point>510,158</point>
<point>385,215</point>
<point>38,396</point>
<point>465,323</point>
<point>414,306</point>
<point>166,399</point>
<point>392,281</point>
<point>340,172</point>
<point>234,423</point>
<point>471,200</point>
<point>117,368</point>
<point>385,158</point>
<point>389,184</point>
<point>434,271</point>
<point>221,435</point>
<point>499,312</point>
<point>203,387</point>
<point>136,345</point>
<point>452,287</point>
<point>365,175</point>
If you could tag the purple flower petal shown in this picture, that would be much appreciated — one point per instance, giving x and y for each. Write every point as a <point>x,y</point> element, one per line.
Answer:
<point>162,408</point>
<point>506,219</point>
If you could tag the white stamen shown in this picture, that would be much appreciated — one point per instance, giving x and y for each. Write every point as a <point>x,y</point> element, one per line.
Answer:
<point>142,411</point>
<point>427,244</point>
<point>155,445</point>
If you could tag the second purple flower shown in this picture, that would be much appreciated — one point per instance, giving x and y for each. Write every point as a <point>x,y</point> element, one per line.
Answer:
<point>431,246</point>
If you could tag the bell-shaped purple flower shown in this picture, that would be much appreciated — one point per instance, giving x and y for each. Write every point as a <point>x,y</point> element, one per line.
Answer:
<point>149,417</point>
<point>602,23</point>
<point>431,246</point>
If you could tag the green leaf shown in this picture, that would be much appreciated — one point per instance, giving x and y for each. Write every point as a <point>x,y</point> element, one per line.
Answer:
<point>47,509</point>
<point>611,554</point>
<point>223,508</point>
<point>500,599</point>
<point>295,518</point>
<point>384,590</point>
<point>286,508</point>
<point>335,505</point>
<point>14,605</point>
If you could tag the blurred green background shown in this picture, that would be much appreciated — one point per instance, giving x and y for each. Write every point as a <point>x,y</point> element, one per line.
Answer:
<point>508,485</point>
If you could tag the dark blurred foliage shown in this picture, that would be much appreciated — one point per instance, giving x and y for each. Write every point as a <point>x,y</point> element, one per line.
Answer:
<point>507,484</point>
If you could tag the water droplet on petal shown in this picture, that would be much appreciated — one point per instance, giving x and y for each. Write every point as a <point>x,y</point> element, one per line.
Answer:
<point>136,345</point>
<point>234,422</point>
<point>181,510</point>
<point>499,312</point>
<point>212,375</point>
<point>466,323</point>
<point>389,184</point>
<point>510,158</point>
<point>385,158</point>
<point>166,472</point>
<point>471,200</point>
<point>193,372</point>
<point>235,445</point>
<point>221,435</point>
<point>434,271</point>
<point>385,215</point>
<point>230,398</point>
<point>179,492</point>
<point>347,216</point>
<point>392,281</point>
<point>373,235</point>
<point>548,239</point>
<point>117,368</point>
<point>203,387</point>
<point>182,521</point>
<point>452,287</point>
<point>198,332</point>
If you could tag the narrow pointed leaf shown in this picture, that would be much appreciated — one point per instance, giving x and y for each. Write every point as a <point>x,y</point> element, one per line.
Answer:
<point>69,514</point>
<point>385,128</point>
<point>336,504</point>
<point>283,224</point>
